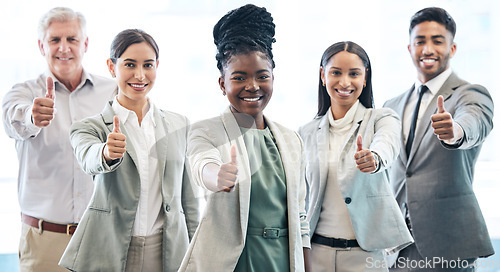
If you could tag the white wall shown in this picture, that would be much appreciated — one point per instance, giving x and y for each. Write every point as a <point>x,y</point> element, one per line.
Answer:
<point>187,75</point>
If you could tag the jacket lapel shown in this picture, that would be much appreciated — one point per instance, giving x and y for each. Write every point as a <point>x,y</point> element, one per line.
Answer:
<point>400,109</point>
<point>161,135</point>
<point>425,122</point>
<point>233,132</point>
<point>323,148</point>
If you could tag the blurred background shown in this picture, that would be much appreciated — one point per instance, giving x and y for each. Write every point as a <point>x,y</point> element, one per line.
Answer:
<point>187,74</point>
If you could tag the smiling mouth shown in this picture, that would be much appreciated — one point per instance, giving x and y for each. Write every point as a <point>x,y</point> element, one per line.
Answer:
<point>137,85</point>
<point>251,99</point>
<point>428,61</point>
<point>344,92</point>
<point>59,58</point>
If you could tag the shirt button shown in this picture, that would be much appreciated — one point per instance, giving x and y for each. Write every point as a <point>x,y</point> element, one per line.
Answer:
<point>409,174</point>
<point>167,208</point>
<point>348,200</point>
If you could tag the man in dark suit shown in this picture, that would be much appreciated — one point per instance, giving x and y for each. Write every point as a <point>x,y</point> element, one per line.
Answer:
<point>445,121</point>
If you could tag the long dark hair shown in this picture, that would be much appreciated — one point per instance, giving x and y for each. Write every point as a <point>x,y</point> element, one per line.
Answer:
<point>244,30</point>
<point>366,97</point>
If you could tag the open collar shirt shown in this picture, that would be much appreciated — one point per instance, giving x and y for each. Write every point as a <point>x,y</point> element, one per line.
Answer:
<point>51,185</point>
<point>149,215</point>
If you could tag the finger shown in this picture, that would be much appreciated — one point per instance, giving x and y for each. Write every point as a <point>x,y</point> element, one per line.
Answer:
<point>116,124</point>
<point>233,155</point>
<point>50,89</point>
<point>359,142</point>
<point>440,104</point>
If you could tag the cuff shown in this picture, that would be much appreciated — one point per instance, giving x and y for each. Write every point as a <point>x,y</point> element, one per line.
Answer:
<point>458,131</point>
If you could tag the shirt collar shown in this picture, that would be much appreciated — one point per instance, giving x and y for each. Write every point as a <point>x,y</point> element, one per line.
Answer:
<point>436,83</point>
<point>85,77</point>
<point>124,114</point>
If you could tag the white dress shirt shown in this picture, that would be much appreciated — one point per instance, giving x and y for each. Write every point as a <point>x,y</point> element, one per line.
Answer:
<point>51,185</point>
<point>334,219</point>
<point>434,86</point>
<point>149,216</point>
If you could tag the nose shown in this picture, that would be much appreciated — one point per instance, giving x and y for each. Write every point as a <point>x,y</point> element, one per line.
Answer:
<point>428,49</point>
<point>139,73</point>
<point>252,86</point>
<point>63,46</point>
<point>344,81</point>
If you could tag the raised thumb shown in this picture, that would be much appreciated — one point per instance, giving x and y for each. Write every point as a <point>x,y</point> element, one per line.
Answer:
<point>233,155</point>
<point>50,89</point>
<point>116,124</point>
<point>359,143</point>
<point>440,104</point>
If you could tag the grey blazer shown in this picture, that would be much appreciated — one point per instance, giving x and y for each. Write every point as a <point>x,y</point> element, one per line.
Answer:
<point>374,213</point>
<point>102,238</point>
<point>437,178</point>
<point>220,237</point>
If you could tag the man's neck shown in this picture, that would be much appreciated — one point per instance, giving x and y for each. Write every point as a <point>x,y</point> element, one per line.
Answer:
<point>71,81</point>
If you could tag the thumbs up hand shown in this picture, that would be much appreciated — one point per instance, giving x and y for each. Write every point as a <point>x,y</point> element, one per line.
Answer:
<point>442,121</point>
<point>365,159</point>
<point>115,144</point>
<point>228,173</point>
<point>43,108</point>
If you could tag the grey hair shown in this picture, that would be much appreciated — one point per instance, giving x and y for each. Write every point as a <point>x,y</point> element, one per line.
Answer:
<point>60,14</point>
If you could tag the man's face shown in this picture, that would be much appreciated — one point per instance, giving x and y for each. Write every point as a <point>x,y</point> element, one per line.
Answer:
<point>63,47</point>
<point>431,48</point>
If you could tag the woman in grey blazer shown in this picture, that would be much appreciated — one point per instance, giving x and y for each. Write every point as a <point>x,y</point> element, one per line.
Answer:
<point>353,215</point>
<point>255,217</point>
<point>143,211</point>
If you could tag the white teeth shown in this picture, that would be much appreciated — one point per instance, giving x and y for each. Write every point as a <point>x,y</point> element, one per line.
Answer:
<point>428,60</point>
<point>251,99</point>
<point>344,92</point>
<point>64,58</point>
<point>137,85</point>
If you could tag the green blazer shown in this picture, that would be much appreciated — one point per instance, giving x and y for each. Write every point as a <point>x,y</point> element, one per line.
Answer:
<point>103,236</point>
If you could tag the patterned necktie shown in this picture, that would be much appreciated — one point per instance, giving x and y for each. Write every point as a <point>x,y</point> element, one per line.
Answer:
<point>411,135</point>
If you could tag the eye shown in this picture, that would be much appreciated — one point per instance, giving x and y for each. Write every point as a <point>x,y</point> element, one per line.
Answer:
<point>237,78</point>
<point>264,77</point>
<point>354,74</point>
<point>54,40</point>
<point>129,64</point>
<point>336,73</point>
<point>148,65</point>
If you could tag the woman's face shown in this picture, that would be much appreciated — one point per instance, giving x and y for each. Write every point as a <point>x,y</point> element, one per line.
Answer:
<point>344,77</point>
<point>247,81</point>
<point>135,72</point>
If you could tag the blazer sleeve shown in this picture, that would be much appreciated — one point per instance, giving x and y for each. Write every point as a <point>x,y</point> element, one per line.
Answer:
<point>190,203</point>
<point>304,223</point>
<point>201,151</point>
<point>88,139</point>
<point>387,137</point>
<point>473,111</point>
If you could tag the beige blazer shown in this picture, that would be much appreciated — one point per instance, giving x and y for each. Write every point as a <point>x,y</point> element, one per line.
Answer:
<point>220,237</point>
<point>103,236</point>
<point>373,210</point>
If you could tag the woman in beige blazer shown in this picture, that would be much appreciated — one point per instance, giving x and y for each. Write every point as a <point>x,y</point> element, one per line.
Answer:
<point>255,217</point>
<point>143,212</point>
<point>353,215</point>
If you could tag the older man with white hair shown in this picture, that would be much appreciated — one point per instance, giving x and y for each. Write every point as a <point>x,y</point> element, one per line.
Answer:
<point>53,191</point>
